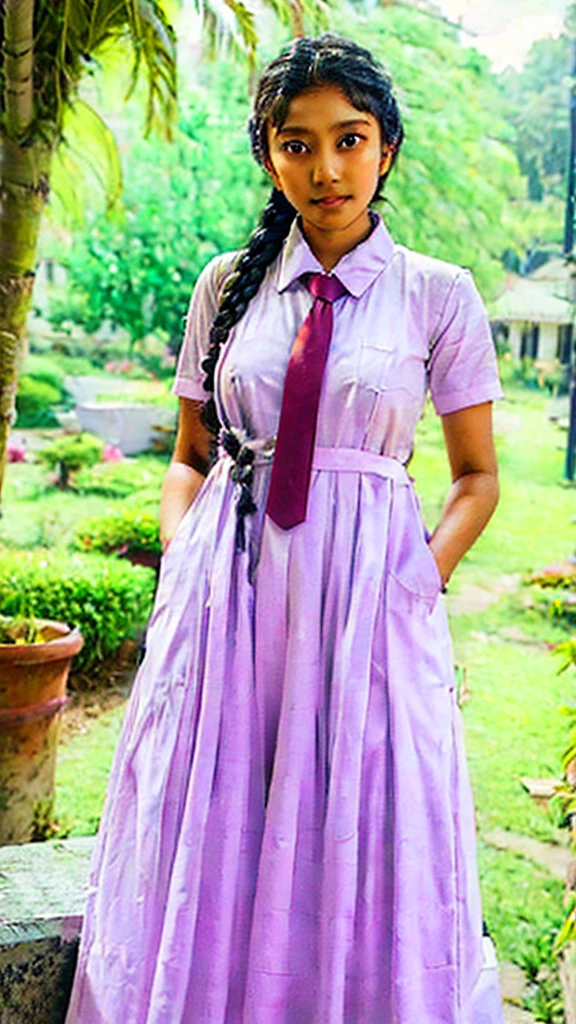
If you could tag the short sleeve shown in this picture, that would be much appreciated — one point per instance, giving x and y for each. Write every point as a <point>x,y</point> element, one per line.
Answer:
<point>462,367</point>
<point>188,382</point>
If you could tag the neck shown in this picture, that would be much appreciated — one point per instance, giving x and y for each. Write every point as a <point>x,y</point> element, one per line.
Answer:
<point>329,246</point>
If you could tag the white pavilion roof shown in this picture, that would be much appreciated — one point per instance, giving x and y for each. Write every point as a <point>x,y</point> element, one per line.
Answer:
<point>536,299</point>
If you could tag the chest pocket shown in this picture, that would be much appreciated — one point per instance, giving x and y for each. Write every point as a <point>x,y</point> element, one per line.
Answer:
<point>386,365</point>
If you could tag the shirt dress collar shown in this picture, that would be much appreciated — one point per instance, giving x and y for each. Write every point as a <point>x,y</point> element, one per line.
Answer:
<point>357,270</point>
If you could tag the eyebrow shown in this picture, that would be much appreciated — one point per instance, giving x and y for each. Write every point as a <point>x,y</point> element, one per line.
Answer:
<point>293,129</point>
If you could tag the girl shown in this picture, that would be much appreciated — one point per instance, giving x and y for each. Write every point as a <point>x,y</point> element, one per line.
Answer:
<point>288,836</point>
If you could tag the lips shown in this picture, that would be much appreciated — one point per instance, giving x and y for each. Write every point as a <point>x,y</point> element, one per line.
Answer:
<point>331,202</point>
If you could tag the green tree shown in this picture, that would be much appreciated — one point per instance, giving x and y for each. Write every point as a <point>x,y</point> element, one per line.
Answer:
<point>182,203</point>
<point>537,98</point>
<point>47,46</point>
<point>454,189</point>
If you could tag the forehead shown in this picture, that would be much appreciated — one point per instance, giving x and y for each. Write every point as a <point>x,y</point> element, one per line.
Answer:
<point>321,107</point>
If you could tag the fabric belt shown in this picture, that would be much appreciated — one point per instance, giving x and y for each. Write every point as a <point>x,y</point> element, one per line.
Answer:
<point>250,453</point>
<point>356,460</point>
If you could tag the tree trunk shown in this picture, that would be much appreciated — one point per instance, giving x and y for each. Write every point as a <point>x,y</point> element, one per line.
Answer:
<point>24,176</point>
<point>25,158</point>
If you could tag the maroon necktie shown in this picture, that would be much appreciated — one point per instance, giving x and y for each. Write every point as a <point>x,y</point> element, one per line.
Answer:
<point>292,466</point>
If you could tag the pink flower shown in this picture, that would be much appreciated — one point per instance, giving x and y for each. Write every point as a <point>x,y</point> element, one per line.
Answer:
<point>110,453</point>
<point>16,451</point>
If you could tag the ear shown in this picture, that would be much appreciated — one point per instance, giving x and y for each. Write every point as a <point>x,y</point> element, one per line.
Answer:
<point>386,161</point>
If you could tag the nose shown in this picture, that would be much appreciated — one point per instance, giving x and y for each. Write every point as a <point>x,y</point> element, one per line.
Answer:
<point>325,166</point>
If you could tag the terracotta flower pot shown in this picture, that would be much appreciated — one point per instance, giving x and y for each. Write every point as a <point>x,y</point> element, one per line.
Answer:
<point>32,694</point>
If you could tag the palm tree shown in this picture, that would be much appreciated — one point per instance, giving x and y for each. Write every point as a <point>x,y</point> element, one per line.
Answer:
<point>47,46</point>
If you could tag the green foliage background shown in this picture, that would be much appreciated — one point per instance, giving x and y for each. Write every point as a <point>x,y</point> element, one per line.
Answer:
<point>453,194</point>
<point>537,107</point>
<point>106,599</point>
<point>183,202</point>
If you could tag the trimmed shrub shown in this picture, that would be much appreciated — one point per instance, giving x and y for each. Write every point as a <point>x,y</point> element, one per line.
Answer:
<point>107,599</point>
<point>42,367</point>
<point>41,388</point>
<point>124,532</point>
<point>121,479</point>
<point>69,454</point>
<point>35,402</point>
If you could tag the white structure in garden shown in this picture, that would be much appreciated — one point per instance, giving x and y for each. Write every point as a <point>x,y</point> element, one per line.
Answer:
<point>538,311</point>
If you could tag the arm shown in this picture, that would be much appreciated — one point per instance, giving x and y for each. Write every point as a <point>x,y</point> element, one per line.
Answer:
<point>187,470</point>
<point>473,495</point>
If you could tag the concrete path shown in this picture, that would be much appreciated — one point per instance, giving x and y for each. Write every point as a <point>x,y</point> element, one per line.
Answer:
<point>554,859</point>
<point>513,987</point>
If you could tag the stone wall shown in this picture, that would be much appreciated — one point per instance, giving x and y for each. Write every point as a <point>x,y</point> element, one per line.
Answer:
<point>42,894</point>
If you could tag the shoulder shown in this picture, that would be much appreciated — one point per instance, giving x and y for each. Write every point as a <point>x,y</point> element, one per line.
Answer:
<point>429,271</point>
<point>215,275</point>
<point>436,289</point>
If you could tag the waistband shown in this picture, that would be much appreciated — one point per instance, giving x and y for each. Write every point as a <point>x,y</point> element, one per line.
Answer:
<point>248,453</point>
<point>357,460</point>
<point>260,451</point>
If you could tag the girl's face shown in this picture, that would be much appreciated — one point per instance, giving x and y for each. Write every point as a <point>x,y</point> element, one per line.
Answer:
<point>326,158</point>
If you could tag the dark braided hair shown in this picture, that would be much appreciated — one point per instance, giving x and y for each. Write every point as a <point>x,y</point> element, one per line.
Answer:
<point>262,249</point>
<point>327,60</point>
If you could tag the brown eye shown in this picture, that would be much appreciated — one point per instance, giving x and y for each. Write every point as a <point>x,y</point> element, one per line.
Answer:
<point>294,147</point>
<point>350,140</point>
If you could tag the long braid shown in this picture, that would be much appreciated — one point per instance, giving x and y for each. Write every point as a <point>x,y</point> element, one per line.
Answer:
<point>263,247</point>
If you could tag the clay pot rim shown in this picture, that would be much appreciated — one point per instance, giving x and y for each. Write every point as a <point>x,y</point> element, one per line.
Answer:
<point>65,645</point>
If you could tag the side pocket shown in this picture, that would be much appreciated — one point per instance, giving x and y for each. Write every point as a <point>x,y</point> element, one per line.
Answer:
<point>411,562</point>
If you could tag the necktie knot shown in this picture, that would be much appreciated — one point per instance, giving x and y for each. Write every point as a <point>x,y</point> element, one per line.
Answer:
<point>326,287</point>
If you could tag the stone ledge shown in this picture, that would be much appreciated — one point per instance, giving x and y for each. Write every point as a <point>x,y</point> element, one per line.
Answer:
<point>42,894</point>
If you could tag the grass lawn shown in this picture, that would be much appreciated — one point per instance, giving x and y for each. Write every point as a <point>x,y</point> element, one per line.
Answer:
<point>512,719</point>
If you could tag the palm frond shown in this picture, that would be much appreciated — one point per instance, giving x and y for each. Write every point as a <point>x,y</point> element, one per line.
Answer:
<point>245,21</point>
<point>222,31</point>
<point>86,157</point>
<point>68,37</point>
<point>154,45</point>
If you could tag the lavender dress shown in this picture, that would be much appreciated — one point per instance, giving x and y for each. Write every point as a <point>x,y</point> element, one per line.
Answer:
<point>288,836</point>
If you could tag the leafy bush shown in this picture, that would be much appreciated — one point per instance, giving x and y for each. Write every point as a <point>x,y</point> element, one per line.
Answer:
<point>120,479</point>
<point>46,369</point>
<point>558,585</point>
<point>35,403</point>
<point>107,599</point>
<point>125,532</point>
<point>69,454</point>
<point>559,605</point>
<point>41,388</point>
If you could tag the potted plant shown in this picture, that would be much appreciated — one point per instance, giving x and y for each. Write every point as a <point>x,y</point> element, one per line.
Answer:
<point>35,658</point>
